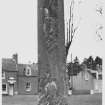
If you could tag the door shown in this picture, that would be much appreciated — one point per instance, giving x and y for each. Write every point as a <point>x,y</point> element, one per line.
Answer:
<point>11,87</point>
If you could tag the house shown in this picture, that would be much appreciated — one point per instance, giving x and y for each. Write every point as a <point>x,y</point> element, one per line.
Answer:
<point>83,82</point>
<point>9,76</point>
<point>27,79</point>
<point>19,78</point>
<point>86,81</point>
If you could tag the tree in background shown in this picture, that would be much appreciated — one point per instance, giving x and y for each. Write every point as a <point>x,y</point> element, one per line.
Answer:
<point>90,62</point>
<point>71,29</point>
<point>76,66</point>
<point>98,60</point>
<point>73,68</point>
<point>93,64</point>
<point>98,63</point>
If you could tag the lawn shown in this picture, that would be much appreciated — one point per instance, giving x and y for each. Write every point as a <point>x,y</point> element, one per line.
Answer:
<point>95,99</point>
<point>20,100</point>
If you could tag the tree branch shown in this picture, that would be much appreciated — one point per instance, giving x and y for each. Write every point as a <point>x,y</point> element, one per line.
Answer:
<point>72,30</point>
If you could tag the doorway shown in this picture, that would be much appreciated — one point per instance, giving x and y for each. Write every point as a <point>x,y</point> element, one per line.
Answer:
<point>11,89</point>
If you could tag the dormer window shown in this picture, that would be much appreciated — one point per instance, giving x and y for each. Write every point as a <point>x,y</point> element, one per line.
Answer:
<point>3,75</point>
<point>28,71</point>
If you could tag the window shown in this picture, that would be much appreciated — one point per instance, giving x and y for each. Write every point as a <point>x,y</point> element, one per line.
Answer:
<point>28,71</point>
<point>3,75</point>
<point>4,87</point>
<point>86,76</point>
<point>94,75</point>
<point>100,76</point>
<point>28,86</point>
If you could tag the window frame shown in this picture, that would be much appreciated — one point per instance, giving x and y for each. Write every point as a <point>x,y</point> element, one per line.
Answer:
<point>6,88</point>
<point>28,71</point>
<point>99,76</point>
<point>28,87</point>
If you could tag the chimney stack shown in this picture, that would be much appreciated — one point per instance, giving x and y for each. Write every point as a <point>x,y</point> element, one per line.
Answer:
<point>15,57</point>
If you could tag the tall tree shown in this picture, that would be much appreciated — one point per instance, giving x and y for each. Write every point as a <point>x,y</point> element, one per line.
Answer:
<point>90,62</point>
<point>98,60</point>
<point>98,63</point>
<point>71,29</point>
<point>51,51</point>
<point>76,60</point>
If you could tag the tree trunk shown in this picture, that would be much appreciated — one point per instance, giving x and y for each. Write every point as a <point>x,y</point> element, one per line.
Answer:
<point>51,45</point>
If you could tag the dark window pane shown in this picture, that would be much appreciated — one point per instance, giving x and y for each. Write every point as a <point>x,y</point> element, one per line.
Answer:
<point>4,87</point>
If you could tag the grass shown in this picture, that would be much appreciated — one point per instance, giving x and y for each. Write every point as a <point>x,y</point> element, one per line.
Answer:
<point>20,100</point>
<point>95,99</point>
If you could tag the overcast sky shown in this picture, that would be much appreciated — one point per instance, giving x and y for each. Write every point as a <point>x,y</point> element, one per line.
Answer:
<point>18,29</point>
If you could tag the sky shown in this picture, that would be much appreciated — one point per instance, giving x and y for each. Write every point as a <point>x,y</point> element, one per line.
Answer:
<point>18,32</point>
<point>18,29</point>
<point>86,43</point>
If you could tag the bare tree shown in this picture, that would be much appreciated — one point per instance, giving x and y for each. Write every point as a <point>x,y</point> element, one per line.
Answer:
<point>70,29</point>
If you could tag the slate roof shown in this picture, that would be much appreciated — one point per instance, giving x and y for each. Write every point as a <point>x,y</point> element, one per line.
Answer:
<point>21,68</point>
<point>8,64</point>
